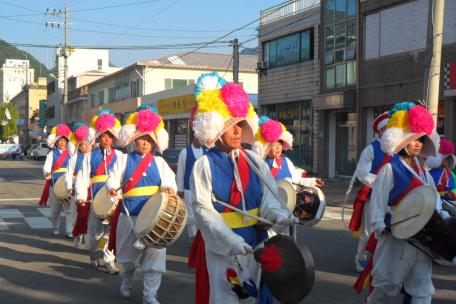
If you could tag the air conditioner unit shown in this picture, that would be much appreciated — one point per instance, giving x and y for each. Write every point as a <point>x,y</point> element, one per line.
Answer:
<point>262,65</point>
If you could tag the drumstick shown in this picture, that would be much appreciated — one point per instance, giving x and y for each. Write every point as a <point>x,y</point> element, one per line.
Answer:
<point>404,220</point>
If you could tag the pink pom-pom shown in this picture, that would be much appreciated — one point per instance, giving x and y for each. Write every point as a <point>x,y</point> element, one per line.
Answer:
<point>236,99</point>
<point>271,130</point>
<point>81,133</point>
<point>192,115</point>
<point>147,121</point>
<point>420,120</point>
<point>270,258</point>
<point>63,130</point>
<point>446,147</point>
<point>105,122</point>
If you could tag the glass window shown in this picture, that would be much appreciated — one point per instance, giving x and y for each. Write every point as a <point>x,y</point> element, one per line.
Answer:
<point>341,8</point>
<point>330,5</point>
<point>340,56</point>
<point>305,46</point>
<point>329,58</point>
<point>351,33</point>
<point>340,35</point>
<point>330,38</point>
<point>178,83</point>
<point>329,78</point>
<point>273,53</point>
<point>101,100</point>
<point>288,49</point>
<point>351,8</point>
<point>351,73</point>
<point>350,54</point>
<point>266,52</point>
<point>340,75</point>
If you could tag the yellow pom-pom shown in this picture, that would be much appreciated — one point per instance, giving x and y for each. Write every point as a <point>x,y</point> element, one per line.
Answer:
<point>283,127</point>
<point>259,137</point>
<point>118,124</point>
<point>399,120</point>
<point>54,130</point>
<point>131,120</point>
<point>210,101</point>
<point>251,111</point>
<point>94,121</point>
<point>161,125</point>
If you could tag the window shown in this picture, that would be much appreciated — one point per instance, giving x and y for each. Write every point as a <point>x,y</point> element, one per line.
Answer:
<point>100,64</point>
<point>134,88</point>
<point>289,49</point>
<point>351,73</point>
<point>92,100</point>
<point>112,95</point>
<point>50,112</point>
<point>101,99</point>
<point>329,77</point>
<point>177,83</point>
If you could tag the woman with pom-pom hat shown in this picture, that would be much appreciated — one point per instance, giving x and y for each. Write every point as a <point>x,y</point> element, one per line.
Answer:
<point>222,177</point>
<point>145,129</point>
<point>92,177</point>
<point>396,264</point>
<point>81,141</point>
<point>54,168</point>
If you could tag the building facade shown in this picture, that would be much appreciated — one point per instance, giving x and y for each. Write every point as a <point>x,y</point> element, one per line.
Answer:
<point>289,74</point>
<point>14,75</point>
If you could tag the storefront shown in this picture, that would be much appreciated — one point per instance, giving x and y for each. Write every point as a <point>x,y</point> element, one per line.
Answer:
<point>297,118</point>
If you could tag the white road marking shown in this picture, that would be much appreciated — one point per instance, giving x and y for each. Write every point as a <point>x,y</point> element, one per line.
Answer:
<point>3,225</point>
<point>10,214</point>
<point>15,199</point>
<point>47,212</point>
<point>38,222</point>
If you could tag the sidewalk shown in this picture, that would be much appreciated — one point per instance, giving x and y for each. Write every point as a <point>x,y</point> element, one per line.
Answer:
<point>335,189</point>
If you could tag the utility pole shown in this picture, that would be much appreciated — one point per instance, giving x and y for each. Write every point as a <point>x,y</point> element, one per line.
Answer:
<point>432,98</point>
<point>235,43</point>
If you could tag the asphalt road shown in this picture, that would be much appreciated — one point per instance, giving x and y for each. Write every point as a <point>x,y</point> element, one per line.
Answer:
<point>37,267</point>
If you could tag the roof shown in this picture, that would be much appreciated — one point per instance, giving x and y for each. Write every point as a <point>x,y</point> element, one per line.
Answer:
<point>201,60</point>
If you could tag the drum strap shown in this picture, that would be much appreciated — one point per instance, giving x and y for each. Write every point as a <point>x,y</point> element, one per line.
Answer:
<point>138,173</point>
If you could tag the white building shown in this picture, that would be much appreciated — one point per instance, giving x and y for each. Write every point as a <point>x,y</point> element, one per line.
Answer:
<point>79,61</point>
<point>14,74</point>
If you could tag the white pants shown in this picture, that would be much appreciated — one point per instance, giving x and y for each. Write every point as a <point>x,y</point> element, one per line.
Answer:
<point>191,226</point>
<point>397,264</point>
<point>96,231</point>
<point>220,291</point>
<point>151,261</point>
<point>56,209</point>
<point>361,253</point>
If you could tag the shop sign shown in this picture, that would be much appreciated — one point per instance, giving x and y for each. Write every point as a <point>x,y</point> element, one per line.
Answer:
<point>175,105</point>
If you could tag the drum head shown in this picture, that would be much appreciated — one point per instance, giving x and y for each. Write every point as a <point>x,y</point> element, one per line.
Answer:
<point>310,205</point>
<point>417,206</point>
<point>60,190</point>
<point>102,205</point>
<point>287,194</point>
<point>150,213</point>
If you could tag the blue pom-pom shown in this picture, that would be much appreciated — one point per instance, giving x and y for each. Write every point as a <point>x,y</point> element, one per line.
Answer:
<point>147,107</point>
<point>105,111</point>
<point>221,82</point>
<point>77,125</point>
<point>406,105</point>
<point>263,119</point>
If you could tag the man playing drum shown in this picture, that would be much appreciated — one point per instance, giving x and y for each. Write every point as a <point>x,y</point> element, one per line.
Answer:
<point>396,263</point>
<point>92,178</point>
<point>54,169</point>
<point>370,162</point>
<point>441,166</point>
<point>224,178</point>
<point>141,175</point>
<point>81,139</point>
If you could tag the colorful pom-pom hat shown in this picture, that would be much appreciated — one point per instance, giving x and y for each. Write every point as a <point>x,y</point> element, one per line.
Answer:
<point>408,122</point>
<point>105,121</point>
<point>221,105</point>
<point>380,121</point>
<point>446,150</point>
<point>58,132</point>
<point>145,121</point>
<point>81,133</point>
<point>271,131</point>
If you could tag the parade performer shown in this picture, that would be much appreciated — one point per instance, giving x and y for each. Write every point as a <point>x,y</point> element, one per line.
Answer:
<point>224,178</point>
<point>270,140</point>
<point>396,263</point>
<point>186,161</point>
<point>81,139</point>
<point>141,175</point>
<point>92,177</point>
<point>54,168</point>
<point>441,166</point>
<point>371,160</point>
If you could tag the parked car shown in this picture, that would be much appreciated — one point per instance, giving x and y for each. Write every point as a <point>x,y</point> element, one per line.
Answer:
<point>41,151</point>
<point>171,156</point>
<point>30,150</point>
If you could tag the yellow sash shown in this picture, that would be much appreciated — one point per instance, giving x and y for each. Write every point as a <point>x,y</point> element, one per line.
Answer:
<point>236,219</point>
<point>99,179</point>
<point>142,191</point>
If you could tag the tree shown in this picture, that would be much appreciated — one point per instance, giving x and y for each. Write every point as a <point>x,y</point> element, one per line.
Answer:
<point>10,129</point>
<point>34,115</point>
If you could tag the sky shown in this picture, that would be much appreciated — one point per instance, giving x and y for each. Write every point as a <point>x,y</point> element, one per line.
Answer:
<point>130,23</point>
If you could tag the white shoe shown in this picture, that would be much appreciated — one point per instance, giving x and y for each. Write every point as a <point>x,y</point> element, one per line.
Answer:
<point>153,300</point>
<point>69,235</point>
<point>77,241</point>
<point>125,290</point>
<point>94,259</point>
<point>56,232</point>
<point>111,268</point>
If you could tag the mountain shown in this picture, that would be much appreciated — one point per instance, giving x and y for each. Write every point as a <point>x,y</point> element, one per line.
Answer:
<point>249,51</point>
<point>8,51</point>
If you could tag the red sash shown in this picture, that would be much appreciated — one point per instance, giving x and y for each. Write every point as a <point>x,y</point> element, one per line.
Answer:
<point>244,173</point>
<point>134,179</point>
<point>362,198</point>
<point>80,226</point>
<point>365,277</point>
<point>47,184</point>
<point>197,260</point>
<point>105,163</point>
<point>274,170</point>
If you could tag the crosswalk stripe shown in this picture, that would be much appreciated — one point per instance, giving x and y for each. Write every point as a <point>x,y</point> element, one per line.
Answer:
<point>38,222</point>
<point>14,199</point>
<point>3,225</point>
<point>10,213</point>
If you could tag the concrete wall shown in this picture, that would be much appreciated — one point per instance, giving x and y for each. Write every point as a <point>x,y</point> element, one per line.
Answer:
<point>127,105</point>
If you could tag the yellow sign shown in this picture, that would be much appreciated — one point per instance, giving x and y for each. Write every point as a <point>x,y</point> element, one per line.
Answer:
<point>178,104</point>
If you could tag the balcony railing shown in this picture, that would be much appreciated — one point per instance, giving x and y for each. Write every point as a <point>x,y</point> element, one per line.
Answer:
<point>286,9</point>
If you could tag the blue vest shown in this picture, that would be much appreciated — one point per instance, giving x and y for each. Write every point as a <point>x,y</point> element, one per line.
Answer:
<point>189,162</point>
<point>95,160</point>
<point>55,156</point>
<point>436,174</point>
<point>222,179</point>
<point>134,204</point>
<point>379,155</point>
<point>78,165</point>
<point>284,171</point>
